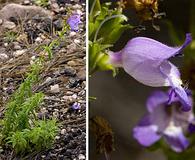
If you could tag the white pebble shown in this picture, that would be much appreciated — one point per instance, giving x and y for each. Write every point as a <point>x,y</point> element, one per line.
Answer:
<point>72,34</point>
<point>48,79</point>
<point>63,131</point>
<point>78,11</point>
<point>38,40</point>
<point>57,137</point>
<point>81,157</point>
<point>77,6</point>
<point>55,88</point>
<point>74,96</point>
<point>8,25</point>
<point>19,52</point>
<point>3,56</point>
<point>77,41</point>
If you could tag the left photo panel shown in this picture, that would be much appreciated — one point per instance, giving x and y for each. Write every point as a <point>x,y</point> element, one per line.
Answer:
<point>43,79</point>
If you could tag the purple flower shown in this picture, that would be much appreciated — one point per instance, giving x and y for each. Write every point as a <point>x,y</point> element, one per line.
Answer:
<point>74,22</point>
<point>76,106</point>
<point>164,121</point>
<point>146,60</point>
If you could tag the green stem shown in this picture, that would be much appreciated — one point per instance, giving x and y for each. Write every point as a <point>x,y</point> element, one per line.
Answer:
<point>105,20</point>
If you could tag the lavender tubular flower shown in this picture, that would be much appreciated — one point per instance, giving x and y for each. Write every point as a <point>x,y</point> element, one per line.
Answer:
<point>146,60</point>
<point>74,22</point>
<point>164,121</point>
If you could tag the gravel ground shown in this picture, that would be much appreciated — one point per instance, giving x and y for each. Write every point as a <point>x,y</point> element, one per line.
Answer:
<point>62,79</point>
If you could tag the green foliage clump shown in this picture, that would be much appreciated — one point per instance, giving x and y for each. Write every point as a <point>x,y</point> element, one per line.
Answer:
<point>10,36</point>
<point>20,127</point>
<point>105,28</point>
<point>42,3</point>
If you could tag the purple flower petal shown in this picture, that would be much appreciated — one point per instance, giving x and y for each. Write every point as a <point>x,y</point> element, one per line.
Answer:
<point>76,106</point>
<point>146,135</point>
<point>145,60</point>
<point>186,102</point>
<point>175,138</point>
<point>152,49</point>
<point>191,128</point>
<point>156,99</point>
<point>172,74</point>
<point>74,21</point>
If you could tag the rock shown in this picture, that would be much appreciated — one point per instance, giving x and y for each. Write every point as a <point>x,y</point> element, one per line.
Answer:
<point>68,71</point>
<point>71,63</point>
<point>1,21</point>
<point>8,25</point>
<point>48,79</point>
<point>57,137</point>
<point>26,2</point>
<point>72,34</point>
<point>74,96</point>
<point>21,11</point>
<point>3,57</point>
<point>19,52</point>
<point>81,157</point>
<point>77,41</point>
<point>55,88</point>
<point>58,24</point>
<point>77,6</point>
<point>38,40</point>
<point>17,46</point>
<point>55,7</point>
<point>63,131</point>
<point>82,74</point>
<point>78,11</point>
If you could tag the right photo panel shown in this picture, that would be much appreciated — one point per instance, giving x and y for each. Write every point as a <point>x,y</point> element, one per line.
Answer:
<point>141,63</point>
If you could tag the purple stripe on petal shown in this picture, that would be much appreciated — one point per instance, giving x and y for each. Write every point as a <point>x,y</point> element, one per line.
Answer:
<point>184,99</point>
<point>146,135</point>
<point>176,139</point>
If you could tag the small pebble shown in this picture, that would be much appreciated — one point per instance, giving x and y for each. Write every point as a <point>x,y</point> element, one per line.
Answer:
<point>72,34</point>
<point>77,6</point>
<point>55,88</point>
<point>26,2</point>
<point>71,63</point>
<point>63,131</point>
<point>48,79</point>
<point>74,96</point>
<point>1,21</point>
<point>77,41</point>
<point>8,25</point>
<point>38,40</point>
<point>57,137</point>
<point>81,157</point>
<point>17,47</point>
<point>19,52</point>
<point>3,57</point>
